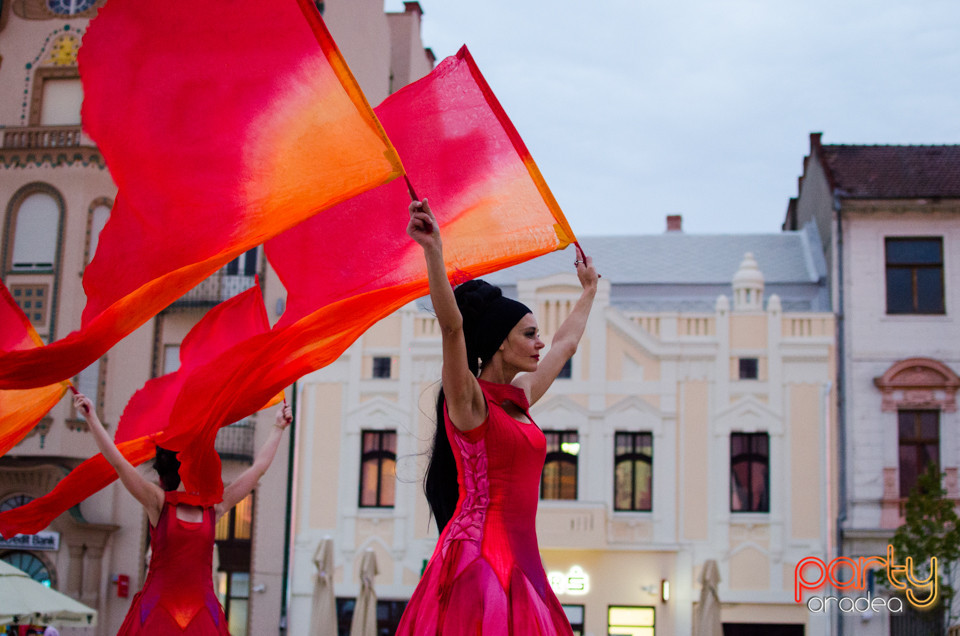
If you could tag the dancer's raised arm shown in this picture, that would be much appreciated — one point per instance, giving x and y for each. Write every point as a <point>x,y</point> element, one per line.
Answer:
<point>465,401</point>
<point>247,481</point>
<point>567,338</point>
<point>150,495</point>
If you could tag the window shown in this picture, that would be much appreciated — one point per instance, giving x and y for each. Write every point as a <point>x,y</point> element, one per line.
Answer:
<point>575,616</point>
<point>567,371</point>
<point>748,369</point>
<point>378,469</point>
<point>90,382</point>
<point>633,472</point>
<point>233,535</point>
<point>34,301</point>
<point>233,590</point>
<point>381,367</point>
<point>559,479</point>
<point>14,502</point>
<point>630,621</point>
<point>171,358</point>
<point>749,472</point>
<point>36,224</point>
<point>914,275</point>
<point>98,217</point>
<point>243,265</point>
<point>33,566</point>
<point>388,615</point>
<point>919,433</point>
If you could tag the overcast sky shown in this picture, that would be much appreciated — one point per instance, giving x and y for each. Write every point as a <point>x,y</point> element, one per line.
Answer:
<point>634,109</point>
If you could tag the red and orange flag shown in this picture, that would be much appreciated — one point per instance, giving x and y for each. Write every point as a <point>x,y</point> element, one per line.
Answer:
<point>21,410</point>
<point>223,123</point>
<point>146,420</point>
<point>348,268</point>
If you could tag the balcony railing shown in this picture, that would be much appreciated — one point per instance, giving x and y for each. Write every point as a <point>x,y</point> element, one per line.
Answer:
<point>28,137</point>
<point>216,289</point>
<point>236,441</point>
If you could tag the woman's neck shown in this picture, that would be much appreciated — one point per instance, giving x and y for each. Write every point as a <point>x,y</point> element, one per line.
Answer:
<point>495,372</point>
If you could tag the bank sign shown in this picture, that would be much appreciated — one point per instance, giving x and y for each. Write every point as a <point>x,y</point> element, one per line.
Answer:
<point>40,541</point>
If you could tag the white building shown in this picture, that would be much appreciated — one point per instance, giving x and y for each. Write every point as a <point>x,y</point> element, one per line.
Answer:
<point>889,220</point>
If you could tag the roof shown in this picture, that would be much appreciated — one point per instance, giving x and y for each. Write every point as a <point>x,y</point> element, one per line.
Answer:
<point>677,258</point>
<point>686,272</point>
<point>893,172</point>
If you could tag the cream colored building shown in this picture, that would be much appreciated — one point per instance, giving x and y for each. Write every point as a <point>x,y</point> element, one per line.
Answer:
<point>55,196</point>
<point>695,425</point>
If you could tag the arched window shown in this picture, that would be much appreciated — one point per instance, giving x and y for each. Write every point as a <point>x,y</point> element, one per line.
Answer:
<point>36,230</point>
<point>33,566</point>
<point>559,478</point>
<point>14,502</point>
<point>98,217</point>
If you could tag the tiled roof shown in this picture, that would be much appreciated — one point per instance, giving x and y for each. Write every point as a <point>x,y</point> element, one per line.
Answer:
<point>686,272</point>
<point>677,258</point>
<point>894,172</point>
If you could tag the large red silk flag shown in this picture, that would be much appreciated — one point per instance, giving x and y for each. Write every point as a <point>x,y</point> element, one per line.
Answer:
<point>146,419</point>
<point>348,268</point>
<point>21,410</point>
<point>223,123</point>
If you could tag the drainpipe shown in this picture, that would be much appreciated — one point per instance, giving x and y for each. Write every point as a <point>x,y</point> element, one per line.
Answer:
<point>287,539</point>
<point>841,393</point>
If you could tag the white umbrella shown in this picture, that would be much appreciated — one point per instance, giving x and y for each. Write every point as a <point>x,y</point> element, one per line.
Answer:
<point>25,601</point>
<point>323,619</point>
<point>365,611</point>
<point>707,621</point>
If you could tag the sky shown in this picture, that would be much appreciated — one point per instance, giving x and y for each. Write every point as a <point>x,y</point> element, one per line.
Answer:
<point>634,110</point>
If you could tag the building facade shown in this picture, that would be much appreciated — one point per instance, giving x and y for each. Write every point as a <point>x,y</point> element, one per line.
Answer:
<point>889,220</point>
<point>691,426</point>
<point>56,195</point>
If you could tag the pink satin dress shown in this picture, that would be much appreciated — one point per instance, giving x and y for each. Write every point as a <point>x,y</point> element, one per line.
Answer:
<point>177,597</point>
<point>486,576</point>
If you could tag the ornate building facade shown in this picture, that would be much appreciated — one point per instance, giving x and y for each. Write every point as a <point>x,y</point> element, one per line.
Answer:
<point>56,195</point>
<point>691,427</point>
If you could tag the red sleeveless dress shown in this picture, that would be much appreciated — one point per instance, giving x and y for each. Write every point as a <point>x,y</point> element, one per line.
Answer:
<point>486,576</point>
<point>178,596</point>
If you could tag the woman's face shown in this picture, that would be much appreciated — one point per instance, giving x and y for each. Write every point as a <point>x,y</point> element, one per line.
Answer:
<point>522,347</point>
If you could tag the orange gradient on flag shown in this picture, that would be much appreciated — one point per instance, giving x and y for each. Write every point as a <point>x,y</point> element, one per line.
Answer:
<point>223,123</point>
<point>21,410</point>
<point>146,421</point>
<point>348,268</point>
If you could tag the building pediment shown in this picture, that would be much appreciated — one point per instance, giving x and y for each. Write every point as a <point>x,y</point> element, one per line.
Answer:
<point>918,383</point>
<point>747,415</point>
<point>560,412</point>
<point>378,412</point>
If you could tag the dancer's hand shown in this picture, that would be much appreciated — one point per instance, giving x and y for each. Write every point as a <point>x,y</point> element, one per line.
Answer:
<point>587,274</point>
<point>284,417</point>
<point>82,404</point>
<point>423,226</point>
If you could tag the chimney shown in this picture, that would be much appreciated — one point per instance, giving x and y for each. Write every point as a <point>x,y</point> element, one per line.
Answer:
<point>674,223</point>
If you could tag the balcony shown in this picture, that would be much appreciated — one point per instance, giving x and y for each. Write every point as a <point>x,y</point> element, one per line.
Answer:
<point>215,289</point>
<point>23,137</point>
<point>236,441</point>
<point>55,145</point>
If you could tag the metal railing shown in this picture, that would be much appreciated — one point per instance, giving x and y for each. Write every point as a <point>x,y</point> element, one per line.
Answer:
<point>41,137</point>
<point>236,441</point>
<point>216,289</point>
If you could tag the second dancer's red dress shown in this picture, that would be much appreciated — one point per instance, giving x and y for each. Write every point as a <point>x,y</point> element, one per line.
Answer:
<point>486,576</point>
<point>178,596</point>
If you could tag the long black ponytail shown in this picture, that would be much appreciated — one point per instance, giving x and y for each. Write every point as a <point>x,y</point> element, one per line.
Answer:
<point>487,319</point>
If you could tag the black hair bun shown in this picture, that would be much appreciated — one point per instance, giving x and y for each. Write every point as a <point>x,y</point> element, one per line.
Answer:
<point>473,297</point>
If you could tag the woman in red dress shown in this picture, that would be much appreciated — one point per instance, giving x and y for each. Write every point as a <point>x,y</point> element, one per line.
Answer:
<point>178,596</point>
<point>486,576</point>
